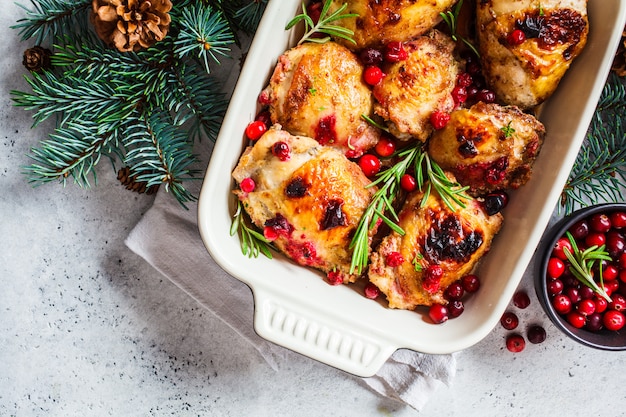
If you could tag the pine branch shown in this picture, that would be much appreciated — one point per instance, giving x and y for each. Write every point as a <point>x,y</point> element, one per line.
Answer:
<point>204,34</point>
<point>599,173</point>
<point>158,153</point>
<point>51,18</point>
<point>71,151</point>
<point>250,15</point>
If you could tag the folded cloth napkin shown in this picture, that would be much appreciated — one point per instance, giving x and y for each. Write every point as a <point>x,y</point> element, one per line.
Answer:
<point>168,238</point>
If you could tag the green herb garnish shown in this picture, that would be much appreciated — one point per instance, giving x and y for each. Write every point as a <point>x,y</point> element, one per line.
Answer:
<point>582,263</point>
<point>428,175</point>
<point>324,24</point>
<point>252,242</point>
<point>451,19</point>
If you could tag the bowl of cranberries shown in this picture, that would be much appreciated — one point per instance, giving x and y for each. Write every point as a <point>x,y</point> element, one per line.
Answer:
<point>581,282</point>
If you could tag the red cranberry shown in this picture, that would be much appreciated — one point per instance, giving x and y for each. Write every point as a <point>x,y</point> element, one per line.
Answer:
<point>247,185</point>
<point>334,278</point>
<point>371,291</point>
<point>618,302</point>
<point>586,293</point>
<point>536,334</point>
<point>394,259</point>
<point>438,313</point>
<point>521,299</point>
<point>454,291</point>
<point>270,233</point>
<point>615,244</point>
<point>370,164</point>
<point>515,343</point>
<point>618,219</point>
<point>432,278</point>
<point>594,322</point>
<point>573,294</point>
<point>562,304</point>
<point>459,94</point>
<point>555,286</point>
<point>560,246</point>
<point>385,147</point>
<point>471,283</point>
<point>456,308</point>
<point>622,261</point>
<point>586,307</point>
<point>517,37</point>
<point>495,202</point>
<point>255,129</point>
<point>464,79</point>
<point>439,119</point>
<point>556,267</point>
<point>408,183</point>
<point>371,56</point>
<point>281,150</point>
<point>486,96</point>
<point>600,223</point>
<point>595,239</point>
<point>509,320</point>
<point>613,320</point>
<point>372,75</point>
<point>610,272</point>
<point>264,116</point>
<point>601,304</point>
<point>580,229</point>
<point>395,52</point>
<point>575,319</point>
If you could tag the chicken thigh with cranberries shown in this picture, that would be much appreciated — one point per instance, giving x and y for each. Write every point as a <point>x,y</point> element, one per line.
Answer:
<point>526,46</point>
<point>488,147</point>
<point>306,197</point>
<point>382,21</point>
<point>438,248</point>
<point>416,87</point>
<point>317,90</point>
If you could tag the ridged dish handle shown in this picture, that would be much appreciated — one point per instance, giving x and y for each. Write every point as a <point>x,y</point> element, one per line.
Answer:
<point>299,328</point>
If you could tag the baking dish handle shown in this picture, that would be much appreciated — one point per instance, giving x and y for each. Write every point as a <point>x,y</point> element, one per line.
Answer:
<point>297,327</point>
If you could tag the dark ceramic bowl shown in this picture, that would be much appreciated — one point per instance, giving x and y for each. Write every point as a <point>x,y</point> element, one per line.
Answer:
<point>603,339</point>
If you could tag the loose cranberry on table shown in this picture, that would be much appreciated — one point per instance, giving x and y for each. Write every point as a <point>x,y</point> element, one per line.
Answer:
<point>515,342</point>
<point>521,299</point>
<point>536,334</point>
<point>509,320</point>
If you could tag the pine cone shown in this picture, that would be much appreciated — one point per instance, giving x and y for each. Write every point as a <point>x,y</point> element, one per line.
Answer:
<point>619,63</point>
<point>131,183</point>
<point>130,25</point>
<point>37,59</point>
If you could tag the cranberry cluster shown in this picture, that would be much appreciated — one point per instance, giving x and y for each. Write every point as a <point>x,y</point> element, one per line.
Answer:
<point>580,305</point>
<point>454,294</point>
<point>515,341</point>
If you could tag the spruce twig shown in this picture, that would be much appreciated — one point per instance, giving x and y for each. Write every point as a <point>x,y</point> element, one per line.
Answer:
<point>599,173</point>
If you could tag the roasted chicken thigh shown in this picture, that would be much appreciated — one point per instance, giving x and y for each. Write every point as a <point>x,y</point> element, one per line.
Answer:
<point>416,87</point>
<point>383,21</point>
<point>317,90</point>
<point>526,46</point>
<point>307,198</point>
<point>488,147</point>
<point>439,247</point>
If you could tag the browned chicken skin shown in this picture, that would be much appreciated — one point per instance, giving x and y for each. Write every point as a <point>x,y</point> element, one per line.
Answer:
<point>435,237</point>
<point>312,200</point>
<point>488,147</point>
<point>383,21</point>
<point>525,74</point>
<point>317,90</point>
<point>418,86</point>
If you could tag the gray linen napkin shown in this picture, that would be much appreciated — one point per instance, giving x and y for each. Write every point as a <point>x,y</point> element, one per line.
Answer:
<point>168,238</point>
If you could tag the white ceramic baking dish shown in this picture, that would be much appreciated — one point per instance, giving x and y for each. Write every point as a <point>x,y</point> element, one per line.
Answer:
<point>296,308</point>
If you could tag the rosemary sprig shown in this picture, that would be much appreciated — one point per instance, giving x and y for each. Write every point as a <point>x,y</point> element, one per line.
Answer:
<point>450,192</point>
<point>252,242</point>
<point>582,262</point>
<point>428,175</point>
<point>324,24</point>
<point>451,19</point>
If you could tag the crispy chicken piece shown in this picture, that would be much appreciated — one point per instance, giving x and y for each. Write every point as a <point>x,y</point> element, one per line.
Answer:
<point>415,88</point>
<point>439,247</point>
<point>383,21</point>
<point>488,147</point>
<point>317,90</point>
<point>525,71</point>
<point>308,197</point>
